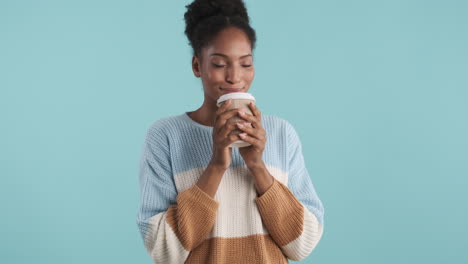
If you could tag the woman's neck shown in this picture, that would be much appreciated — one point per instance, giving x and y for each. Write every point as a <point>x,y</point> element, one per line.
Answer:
<point>206,114</point>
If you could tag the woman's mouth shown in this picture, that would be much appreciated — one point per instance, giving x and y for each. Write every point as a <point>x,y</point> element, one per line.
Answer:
<point>231,89</point>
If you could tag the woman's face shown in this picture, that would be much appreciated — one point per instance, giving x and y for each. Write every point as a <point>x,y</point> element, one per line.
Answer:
<point>226,63</point>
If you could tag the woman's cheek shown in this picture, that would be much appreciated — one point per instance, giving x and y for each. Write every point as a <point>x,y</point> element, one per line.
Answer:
<point>217,76</point>
<point>251,74</point>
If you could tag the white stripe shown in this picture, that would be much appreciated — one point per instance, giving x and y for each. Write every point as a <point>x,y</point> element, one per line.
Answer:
<point>237,214</point>
<point>162,243</point>
<point>302,246</point>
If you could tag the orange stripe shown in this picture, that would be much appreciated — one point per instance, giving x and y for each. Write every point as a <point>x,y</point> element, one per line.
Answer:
<point>193,217</point>
<point>253,249</point>
<point>282,213</point>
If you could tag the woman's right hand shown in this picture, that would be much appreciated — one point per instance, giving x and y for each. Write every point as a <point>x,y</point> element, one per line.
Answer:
<point>222,153</point>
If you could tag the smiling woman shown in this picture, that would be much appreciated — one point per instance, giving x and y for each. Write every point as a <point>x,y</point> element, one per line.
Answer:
<point>225,65</point>
<point>225,62</point>
<point>205,202</point>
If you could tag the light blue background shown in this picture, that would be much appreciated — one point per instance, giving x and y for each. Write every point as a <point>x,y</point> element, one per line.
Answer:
<point>377,91</point>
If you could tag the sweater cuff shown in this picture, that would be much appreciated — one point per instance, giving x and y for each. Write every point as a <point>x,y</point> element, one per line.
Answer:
<point>282,213</point>
<point>193,217</point>
<point>196,197</point>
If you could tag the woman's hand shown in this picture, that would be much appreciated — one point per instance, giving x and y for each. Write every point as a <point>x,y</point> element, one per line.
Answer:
<point>254,135</point>
<point>222,153</point>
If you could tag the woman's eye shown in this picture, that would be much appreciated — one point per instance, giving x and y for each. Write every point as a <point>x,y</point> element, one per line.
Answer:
<point>222,65</point>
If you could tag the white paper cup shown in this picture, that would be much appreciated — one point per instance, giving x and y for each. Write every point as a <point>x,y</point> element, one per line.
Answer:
<point>238,100</point>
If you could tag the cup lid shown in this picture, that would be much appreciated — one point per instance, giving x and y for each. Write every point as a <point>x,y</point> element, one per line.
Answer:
<point>237,95</point>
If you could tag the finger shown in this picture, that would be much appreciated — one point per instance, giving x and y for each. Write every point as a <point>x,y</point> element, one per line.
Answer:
<point>250,130</point>
<point>227,129</point>
<point>255,110</point>
<point>255,142</point>
<point>250,118</point>
<point>222,119</point>
<point>258,133</point>
<point>223,107</point>
<point>229,140</point>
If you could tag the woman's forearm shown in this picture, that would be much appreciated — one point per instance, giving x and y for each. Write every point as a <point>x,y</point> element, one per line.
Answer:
<point>262,178</point>
<point>210,179</point>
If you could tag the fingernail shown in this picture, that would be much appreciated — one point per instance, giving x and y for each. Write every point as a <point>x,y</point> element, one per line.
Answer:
<point>242,134</point>
<point>241,112</point>
<point>240,125</point>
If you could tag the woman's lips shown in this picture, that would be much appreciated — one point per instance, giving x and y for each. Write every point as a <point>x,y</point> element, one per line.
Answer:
<point>231,89</point>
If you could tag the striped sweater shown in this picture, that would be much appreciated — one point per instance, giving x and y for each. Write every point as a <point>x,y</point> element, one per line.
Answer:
<point>180,223</point>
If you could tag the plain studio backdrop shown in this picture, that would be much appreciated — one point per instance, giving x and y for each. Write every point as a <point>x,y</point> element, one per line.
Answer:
<point>377,91</point>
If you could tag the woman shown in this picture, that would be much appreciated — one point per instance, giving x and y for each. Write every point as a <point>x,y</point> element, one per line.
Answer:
<point>204,202</point>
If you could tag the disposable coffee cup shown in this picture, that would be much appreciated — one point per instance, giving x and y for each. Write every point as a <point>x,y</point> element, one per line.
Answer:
<point>238,100</point>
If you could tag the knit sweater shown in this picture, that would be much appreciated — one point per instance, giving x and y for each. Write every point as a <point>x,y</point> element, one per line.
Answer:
<point>180,223</point>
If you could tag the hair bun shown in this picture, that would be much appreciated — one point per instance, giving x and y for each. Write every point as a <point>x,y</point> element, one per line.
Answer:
<point>229,8</point>
<point>205,18</point>
<point>200,10</point>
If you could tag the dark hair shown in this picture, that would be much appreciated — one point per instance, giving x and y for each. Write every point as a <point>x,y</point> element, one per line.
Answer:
<point>204,19</point>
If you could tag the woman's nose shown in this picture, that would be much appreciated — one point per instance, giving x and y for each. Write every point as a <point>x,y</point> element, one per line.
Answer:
<point>233,75</point>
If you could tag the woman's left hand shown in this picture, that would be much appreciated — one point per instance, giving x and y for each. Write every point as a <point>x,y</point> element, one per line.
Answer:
<point>254,135</point>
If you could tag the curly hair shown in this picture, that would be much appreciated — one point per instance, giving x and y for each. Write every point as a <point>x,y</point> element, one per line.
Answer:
<point>204,19</point>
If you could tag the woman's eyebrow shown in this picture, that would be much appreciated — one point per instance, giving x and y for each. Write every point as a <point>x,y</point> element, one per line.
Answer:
<point>225,56</point>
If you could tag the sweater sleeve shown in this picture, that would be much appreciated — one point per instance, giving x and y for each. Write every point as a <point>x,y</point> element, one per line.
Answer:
<point>170,224</point>
<point>293,214</point>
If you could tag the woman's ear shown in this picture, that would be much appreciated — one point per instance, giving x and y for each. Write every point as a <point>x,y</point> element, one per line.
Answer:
<point>196,66</point>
